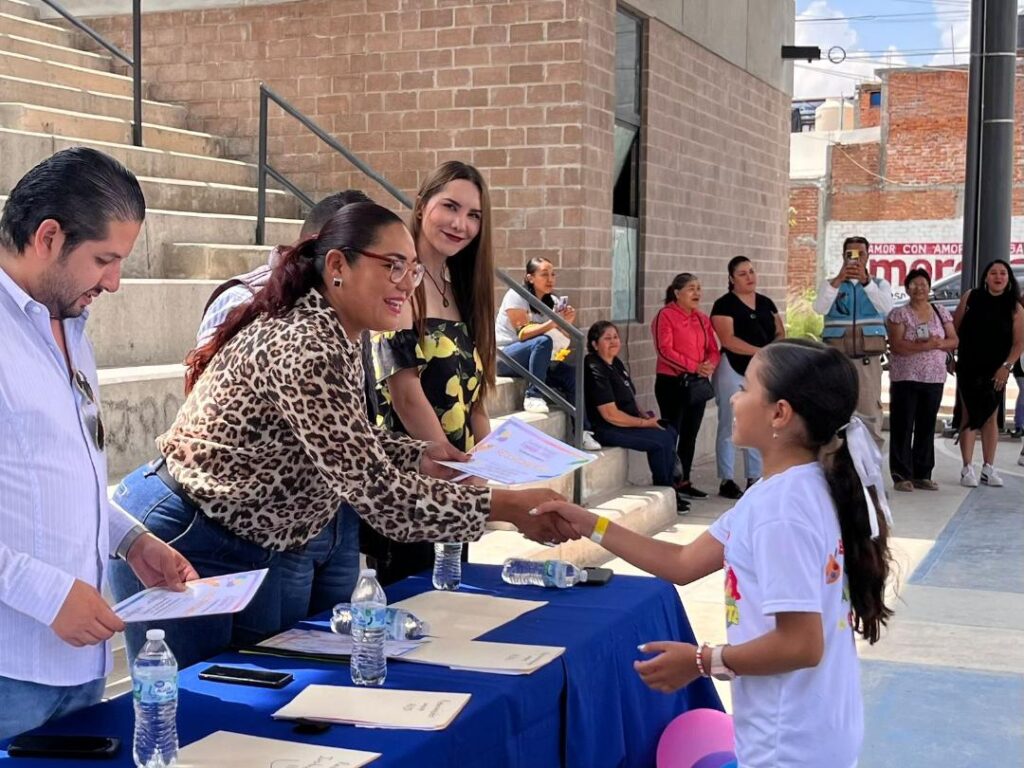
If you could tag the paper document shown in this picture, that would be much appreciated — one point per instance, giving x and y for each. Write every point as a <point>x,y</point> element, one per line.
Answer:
<point>478,656</point>
<point>224,749</point>
<point>375,707</point>
<point>203,597</point>
<point>516,453</point>
<point>463,615</point>
<point>315,642</point>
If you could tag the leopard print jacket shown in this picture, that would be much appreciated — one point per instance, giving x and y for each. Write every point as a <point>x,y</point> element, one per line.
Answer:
<point>274,436</point>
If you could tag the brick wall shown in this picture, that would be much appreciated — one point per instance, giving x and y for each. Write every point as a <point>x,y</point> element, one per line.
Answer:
<point>802,267</point>
<point>867,115</point>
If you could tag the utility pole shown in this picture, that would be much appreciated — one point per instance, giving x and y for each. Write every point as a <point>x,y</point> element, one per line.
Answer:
<point>988,188</point>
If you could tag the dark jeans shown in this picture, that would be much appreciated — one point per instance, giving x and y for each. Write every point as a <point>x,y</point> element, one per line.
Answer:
<point>685,417</point>
<point>913,407</point>
<point>658,444</point>
<point>535,356</point>
<point>299,583</point>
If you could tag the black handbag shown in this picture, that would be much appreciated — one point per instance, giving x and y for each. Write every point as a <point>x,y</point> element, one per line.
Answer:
<point>694,389</point>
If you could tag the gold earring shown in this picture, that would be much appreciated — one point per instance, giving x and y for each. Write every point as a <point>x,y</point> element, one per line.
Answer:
<point>337,282</point>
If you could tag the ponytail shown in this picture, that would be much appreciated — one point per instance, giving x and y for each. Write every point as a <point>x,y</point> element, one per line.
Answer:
<point>295,274</point>
<point>820,384</point>
<point>868,561</point>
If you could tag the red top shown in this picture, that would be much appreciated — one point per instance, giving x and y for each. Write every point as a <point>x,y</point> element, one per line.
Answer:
<point>683,340</point>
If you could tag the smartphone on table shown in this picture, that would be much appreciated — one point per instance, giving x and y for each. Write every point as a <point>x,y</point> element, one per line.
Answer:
<point>261,678</point>
<point>81,747</point>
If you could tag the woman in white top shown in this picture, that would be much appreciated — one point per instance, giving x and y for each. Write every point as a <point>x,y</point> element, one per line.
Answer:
<point>805,559</point>
<point>537,343</point>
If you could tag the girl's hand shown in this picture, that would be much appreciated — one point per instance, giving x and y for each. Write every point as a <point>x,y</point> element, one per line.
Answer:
<point>673,668</point>
<point>579,518</point>
<point>999,380</point>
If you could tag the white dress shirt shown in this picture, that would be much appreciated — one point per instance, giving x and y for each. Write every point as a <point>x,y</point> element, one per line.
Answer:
<point>56,523</point>
<point>878,291</point>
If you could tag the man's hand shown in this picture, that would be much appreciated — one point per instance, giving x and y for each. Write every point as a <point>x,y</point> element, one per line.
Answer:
<point>674,667</point>
<point>159,565</point>
<point>85,618</point>
<point>441,452</point>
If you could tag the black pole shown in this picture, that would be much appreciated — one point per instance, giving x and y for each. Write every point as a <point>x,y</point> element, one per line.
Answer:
<point>137,71</point>
<point>988,190</point>
<point>261,174</point>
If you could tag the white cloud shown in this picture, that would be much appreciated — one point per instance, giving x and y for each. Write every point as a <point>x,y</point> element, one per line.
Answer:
<point>823,78</point>
<point>954,39</point>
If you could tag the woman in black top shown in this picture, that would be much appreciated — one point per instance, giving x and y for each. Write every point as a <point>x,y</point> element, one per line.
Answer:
<point>745,321</point>
<point>613,413</point>
<point>990,324</point>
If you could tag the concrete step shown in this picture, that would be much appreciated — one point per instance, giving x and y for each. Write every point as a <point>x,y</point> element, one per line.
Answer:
<point>34,68</point>
<point>22,150</point>
<point>148,322</point>
<point>63,97</point>
<point>24,26</point>
<point>210,197</point>
<point>61,122</point>
<point>645,510</point>
<point>51,52</point>
<point>19,8</point>
<point>139,403</point>
<point>209,261</point>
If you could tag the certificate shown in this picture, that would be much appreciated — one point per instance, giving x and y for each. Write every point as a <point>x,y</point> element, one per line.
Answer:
<point>229,593</point>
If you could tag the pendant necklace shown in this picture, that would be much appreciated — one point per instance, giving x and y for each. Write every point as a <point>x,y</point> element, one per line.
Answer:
<point>443,287</point>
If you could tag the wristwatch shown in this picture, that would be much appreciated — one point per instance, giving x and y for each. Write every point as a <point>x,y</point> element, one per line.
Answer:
<point>718,669</point>
<point>1008,366</point>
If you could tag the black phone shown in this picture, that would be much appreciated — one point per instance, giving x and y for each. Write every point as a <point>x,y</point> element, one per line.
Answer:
<point>597,577</point>
<point>259,677</point>
<point>83,747</point>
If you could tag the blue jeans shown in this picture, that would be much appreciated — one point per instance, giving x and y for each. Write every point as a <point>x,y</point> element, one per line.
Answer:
<point>535,355</point>
<point>1018,408</point>
<point>727,383</point>
<point>658,444</point>
<point>28,705</point>
<point>299,583</point>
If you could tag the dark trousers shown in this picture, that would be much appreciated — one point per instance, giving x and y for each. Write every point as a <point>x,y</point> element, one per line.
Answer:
<point>684,417</point>
<point>659,445</point>
<point>913,407</point>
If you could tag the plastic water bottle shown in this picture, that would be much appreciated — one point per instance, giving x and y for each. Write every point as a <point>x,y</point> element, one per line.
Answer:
<point>369,666</point>
<point>447,566</point>
<point>549,573</point>
<point>401,624</point>
<point>155,690</point>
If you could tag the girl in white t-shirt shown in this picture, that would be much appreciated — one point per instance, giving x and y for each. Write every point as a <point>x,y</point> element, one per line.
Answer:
<point>805,560</point>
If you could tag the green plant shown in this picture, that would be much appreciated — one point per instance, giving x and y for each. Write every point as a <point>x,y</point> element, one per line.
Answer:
<point>802,322</point>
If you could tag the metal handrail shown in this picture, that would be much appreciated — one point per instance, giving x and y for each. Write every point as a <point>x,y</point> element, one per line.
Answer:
<point>134,61</point>
<point>578,339</point>
<point>265,169</point>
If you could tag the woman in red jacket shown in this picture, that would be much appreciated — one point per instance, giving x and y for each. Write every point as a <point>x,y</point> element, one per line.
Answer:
<point>687,352</point>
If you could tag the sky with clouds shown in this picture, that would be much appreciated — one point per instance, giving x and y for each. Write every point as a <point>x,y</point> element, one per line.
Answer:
<point>876,34</point>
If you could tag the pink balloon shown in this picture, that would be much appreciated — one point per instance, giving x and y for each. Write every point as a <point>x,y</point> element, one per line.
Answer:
<point>694,735</point>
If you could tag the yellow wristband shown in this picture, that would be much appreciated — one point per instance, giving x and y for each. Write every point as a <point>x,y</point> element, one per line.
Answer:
<point>600,527</point>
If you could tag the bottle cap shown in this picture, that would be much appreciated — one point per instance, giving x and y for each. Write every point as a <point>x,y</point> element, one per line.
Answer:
<point>370,573</point>
<point>155,634</point>
<point>583,574</point>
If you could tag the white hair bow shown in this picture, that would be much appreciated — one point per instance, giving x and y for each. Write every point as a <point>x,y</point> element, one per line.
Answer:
<point>867,460</point>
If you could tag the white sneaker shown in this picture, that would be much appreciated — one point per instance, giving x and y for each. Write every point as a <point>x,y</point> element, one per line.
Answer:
<point>967,477</point>
<point>589,442</point>
<point>535,405</point>
<point>989,476</point>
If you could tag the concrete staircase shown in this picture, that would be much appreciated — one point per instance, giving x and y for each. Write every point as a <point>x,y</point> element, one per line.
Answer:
<point>199,229</point>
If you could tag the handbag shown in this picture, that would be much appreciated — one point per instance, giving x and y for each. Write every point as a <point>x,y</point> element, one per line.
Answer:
<point>694,389</point>
<point>950,355</point>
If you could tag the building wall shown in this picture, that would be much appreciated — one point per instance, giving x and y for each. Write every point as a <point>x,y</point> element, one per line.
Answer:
<point>523,89</point>
<point>905,190</point>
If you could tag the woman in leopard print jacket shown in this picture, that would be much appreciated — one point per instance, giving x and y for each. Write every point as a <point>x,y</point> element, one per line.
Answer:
<point>274,435</point>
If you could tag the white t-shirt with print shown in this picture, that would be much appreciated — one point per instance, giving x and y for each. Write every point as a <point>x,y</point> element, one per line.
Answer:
<point>784,553</point>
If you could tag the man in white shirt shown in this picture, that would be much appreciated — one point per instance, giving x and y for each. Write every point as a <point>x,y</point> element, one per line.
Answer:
<point>855,306</point>
<point>66,228</point>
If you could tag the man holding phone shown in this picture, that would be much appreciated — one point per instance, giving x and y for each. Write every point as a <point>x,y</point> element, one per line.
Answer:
<point>855,306</point>
<point>65,229</point>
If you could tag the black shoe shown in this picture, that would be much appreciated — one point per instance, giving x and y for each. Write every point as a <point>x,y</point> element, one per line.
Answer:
<point>682,505</point>
<point>751,481</point>
<point>1016,433</point>
<point>729,490</point>
<point>687,489</point>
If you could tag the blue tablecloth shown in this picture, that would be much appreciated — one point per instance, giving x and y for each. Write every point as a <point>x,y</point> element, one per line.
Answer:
<point>588,710</point>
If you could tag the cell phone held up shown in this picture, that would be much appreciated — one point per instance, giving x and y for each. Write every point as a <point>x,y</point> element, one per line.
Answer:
<point>57,746</point>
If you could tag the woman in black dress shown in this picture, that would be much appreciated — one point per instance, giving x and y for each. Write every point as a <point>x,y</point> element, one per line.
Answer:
<point>990,324</point>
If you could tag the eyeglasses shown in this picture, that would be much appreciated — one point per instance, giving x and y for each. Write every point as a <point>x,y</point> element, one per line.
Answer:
<point>399,267</point>
<point>92,418</point>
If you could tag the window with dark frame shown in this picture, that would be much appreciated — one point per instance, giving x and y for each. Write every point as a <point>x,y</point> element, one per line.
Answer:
<point>626,171</point>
